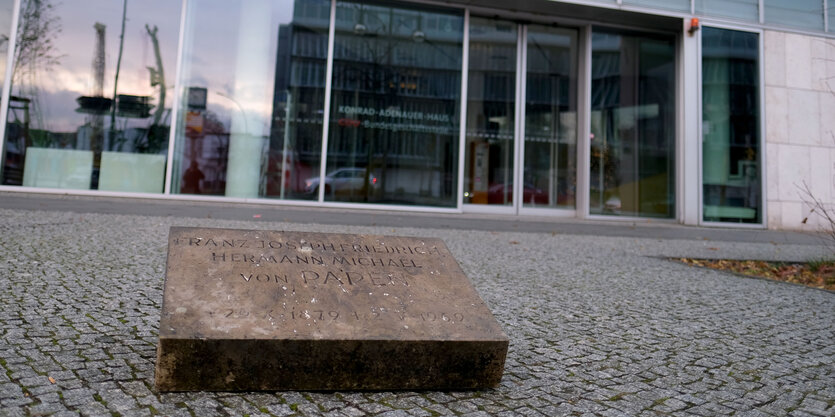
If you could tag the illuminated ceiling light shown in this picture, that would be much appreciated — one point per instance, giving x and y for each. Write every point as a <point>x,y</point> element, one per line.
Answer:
<point>418,36</point>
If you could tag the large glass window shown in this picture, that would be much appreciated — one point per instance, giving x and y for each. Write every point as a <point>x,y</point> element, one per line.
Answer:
<point>831,20</point>
<point>491,110</point>
<point>89,106</point>
<point>738,9</point>
<point>805,14</point>
<point>252,103</point>
<point>550,118</point>
<point>731,125</point>
<point>678,5</point>
<point>396,99</point>
<point>632,125</point>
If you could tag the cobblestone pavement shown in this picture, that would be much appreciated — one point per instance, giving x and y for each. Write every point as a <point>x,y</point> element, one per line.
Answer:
<point>598,326</point>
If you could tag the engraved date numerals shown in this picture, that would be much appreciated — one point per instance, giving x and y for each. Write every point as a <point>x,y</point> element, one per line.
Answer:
<point>320,315</point>
<point>231,313</point>
<point>431,316</point>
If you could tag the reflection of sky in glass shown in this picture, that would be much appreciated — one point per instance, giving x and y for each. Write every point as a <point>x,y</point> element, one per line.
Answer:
<point>740,9</point>
<point>806,14</point>
<point>76,45</point>
<point>680,5</point>
<point>6,7</point>
<point>216,57</point>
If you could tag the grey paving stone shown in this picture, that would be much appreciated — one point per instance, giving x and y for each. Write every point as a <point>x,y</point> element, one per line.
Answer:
<point>352,412</point>
<point>94,409</point>
<point>12,412</point>
<point>78,396</point>
<point>439,409</point>
<point>10,390</point>
<point>46,407</point>
<point>752,413</point>
<point>599,325</point>
<point>476,414</point>
<point>15,402</point>
<point>462,407</point>
<point>805,413</point>
<point>142,412</point>
<point>66,413</point>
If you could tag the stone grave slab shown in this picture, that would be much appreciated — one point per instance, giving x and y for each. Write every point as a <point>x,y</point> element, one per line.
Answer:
<point>268,310</point>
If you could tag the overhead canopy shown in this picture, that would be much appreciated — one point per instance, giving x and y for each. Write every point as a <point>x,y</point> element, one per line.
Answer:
<point>586,13</point>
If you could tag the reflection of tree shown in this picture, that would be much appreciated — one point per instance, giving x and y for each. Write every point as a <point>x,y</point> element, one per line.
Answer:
<point>35,51</point>
<point>35,38</point>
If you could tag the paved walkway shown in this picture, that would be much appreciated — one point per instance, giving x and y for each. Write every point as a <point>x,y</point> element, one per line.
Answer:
<point>600,323</point>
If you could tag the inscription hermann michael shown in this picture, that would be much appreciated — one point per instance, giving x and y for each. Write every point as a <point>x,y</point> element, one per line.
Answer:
<point>313,260</point>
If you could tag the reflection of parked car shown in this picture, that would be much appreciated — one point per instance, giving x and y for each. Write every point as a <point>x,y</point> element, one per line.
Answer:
<point>530,194</point>
<point>343,180</point>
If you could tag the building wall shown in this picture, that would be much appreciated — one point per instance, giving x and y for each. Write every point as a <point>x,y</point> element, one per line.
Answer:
<point>800,127</point>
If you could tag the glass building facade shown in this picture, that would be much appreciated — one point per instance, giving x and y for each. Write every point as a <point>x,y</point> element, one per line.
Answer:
<point>88,105</point>
<point>395,105</point>
<point>369,103</point>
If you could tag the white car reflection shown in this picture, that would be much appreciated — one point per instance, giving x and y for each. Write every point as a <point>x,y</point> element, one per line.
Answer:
<point>343,180</point>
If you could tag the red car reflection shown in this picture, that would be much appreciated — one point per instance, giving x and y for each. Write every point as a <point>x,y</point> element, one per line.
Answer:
<point>530,194</point>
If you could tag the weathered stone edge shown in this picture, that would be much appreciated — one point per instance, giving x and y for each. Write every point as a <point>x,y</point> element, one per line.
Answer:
<point>328,365</point>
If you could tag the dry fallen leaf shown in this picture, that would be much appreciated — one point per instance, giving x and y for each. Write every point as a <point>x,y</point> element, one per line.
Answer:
<point>818,276</point>
<point>51,380</point>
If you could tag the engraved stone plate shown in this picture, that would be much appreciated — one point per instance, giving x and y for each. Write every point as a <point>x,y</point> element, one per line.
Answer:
<point>262,310</point>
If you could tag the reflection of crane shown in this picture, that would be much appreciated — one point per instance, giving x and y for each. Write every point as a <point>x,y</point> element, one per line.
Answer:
<point>97,155</point>
<point>98,61</point>
<point>157,132</point>
<point>96,104</point>
<point>96,120</point>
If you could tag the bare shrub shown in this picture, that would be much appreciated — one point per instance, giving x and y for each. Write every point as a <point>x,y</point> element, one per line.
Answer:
<point>822,210</point>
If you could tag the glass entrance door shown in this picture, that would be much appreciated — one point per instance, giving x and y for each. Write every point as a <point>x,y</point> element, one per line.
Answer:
<point>522,120</point>
<point>521,116</point>
<point>632,125</point>
<point>550,122</point>
<point>491,112</point>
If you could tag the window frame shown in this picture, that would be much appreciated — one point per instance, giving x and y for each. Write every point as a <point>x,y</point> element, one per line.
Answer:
<point>763,223</point>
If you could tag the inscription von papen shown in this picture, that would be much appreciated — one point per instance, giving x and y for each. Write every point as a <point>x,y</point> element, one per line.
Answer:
<point>246,309</point>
